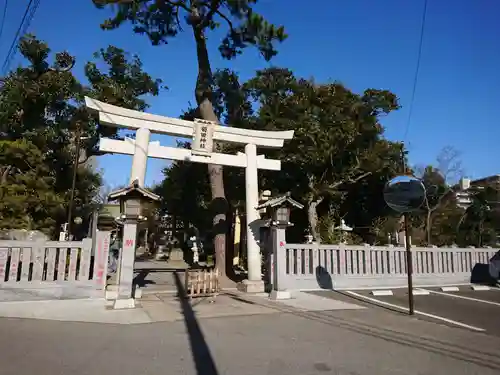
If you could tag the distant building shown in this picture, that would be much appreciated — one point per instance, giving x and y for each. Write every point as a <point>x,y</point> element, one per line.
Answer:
<point>463,195</point>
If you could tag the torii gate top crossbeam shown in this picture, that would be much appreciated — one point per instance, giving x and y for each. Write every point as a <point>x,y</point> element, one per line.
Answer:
<point>126,118</point>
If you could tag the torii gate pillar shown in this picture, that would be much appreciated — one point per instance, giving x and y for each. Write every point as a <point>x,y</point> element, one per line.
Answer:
<point>254,283</point>
<point>140,158</point>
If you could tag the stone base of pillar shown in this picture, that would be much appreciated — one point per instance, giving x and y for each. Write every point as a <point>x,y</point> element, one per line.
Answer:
<point>280,294</point>
<point>121,304</point>
<point>250,286</point>
<point>112,292</point>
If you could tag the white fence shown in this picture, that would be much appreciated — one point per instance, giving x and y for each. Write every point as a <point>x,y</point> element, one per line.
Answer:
<point>53,269</point>
<point>313,266</point>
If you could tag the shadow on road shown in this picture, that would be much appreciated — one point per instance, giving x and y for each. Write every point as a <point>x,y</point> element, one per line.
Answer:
<point>436,345</point>
<point>140,279</point>
<point>202,357</point>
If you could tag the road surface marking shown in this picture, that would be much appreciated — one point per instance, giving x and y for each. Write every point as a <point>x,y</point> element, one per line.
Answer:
<point>467,298</point>
<point>454,322</point>
<point>382,292</point>
<point>450,289</point>
<point>364,288</point>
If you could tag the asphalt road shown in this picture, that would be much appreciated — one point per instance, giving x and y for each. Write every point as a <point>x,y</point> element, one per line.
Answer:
<point>356,342</point>
<point>479,309</point>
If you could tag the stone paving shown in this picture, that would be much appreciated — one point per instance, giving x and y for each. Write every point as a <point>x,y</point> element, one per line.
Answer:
<point>165,307</point>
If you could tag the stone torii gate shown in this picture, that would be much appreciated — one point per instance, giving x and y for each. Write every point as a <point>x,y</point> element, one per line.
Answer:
<point>203,134</point>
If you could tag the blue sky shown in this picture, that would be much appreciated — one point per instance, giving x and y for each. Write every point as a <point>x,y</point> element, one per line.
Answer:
<point>362,43</point>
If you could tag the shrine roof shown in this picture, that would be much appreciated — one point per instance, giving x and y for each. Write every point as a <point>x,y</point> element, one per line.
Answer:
<point>278,201</point>
<point>133,188</point>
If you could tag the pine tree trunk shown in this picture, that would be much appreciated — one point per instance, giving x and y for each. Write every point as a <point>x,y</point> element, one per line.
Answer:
<point>203,94</point>
<point>428,224</point>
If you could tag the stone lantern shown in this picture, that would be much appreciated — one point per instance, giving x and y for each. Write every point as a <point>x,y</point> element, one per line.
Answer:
<point>276,215</point>
<point>132,199</point>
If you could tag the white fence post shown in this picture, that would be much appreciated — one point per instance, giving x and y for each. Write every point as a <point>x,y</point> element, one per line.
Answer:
<point>26,261</point>
<point>4,256</point>
<point>85,258</point>
<point>342,260</point>
<point>14,264</point>
<point>368,254</point>
<point>38,260</point>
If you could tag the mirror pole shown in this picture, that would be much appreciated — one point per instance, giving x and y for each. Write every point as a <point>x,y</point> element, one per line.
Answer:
<point>409,260</point>
<point>409,266</point>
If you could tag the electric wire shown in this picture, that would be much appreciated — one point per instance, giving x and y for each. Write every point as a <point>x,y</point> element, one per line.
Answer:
<point>417,69</point>
<point>29,13</point>
<point>4,14</point>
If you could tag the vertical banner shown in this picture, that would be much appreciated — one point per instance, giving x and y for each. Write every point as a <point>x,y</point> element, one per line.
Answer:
<point>101,255</point>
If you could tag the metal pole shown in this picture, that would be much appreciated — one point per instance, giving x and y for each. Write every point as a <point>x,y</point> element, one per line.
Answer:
<point>73,182</point>
<point>409,260</point>
<point>409,266</point>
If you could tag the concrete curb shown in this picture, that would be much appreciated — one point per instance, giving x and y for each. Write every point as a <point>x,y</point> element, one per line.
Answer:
<point>480,287</point>
<point>450,289</point>
<point>420,292</point>
<point>382,292</point>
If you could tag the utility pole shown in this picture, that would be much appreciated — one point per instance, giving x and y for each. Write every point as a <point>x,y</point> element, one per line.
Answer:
<point>73,181</point>
<point>409,260</point>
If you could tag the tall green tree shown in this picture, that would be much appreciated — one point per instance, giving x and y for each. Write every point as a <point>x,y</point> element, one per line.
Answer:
<point>337,140</point>
<point>160,20</point>
<point>479,223</point>
<point>41,109</point>
<point>27,198</point>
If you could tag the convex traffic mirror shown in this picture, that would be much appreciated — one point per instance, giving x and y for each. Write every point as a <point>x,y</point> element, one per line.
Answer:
<point>404,193</point>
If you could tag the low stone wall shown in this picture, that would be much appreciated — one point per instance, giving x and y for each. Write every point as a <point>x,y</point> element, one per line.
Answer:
<point>313,266</point>
<point>53,269</point>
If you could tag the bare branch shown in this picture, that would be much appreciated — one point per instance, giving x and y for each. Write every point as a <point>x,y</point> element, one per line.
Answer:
<point>5,174</point>
<point>350,180</point>
<point>213,8</point>
<point>225,18</point>
<point>449,164</point>
<point>440,200</point>
<point>178,4</point>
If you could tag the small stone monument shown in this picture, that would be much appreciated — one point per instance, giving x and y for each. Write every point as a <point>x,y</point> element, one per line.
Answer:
<point>176,256</point>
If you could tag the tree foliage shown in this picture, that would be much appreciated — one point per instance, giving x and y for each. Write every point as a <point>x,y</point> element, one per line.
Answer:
<point>440,183</point>
<point>337,142</point>
<point>161,20</point>
<point>479,223</point>
<point>27,199</point>
<point>338,137</point>
<point>41,110</point>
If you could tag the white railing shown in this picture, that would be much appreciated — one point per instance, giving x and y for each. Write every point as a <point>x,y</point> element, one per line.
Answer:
<point>63,268</point>
<point>313,266</point>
